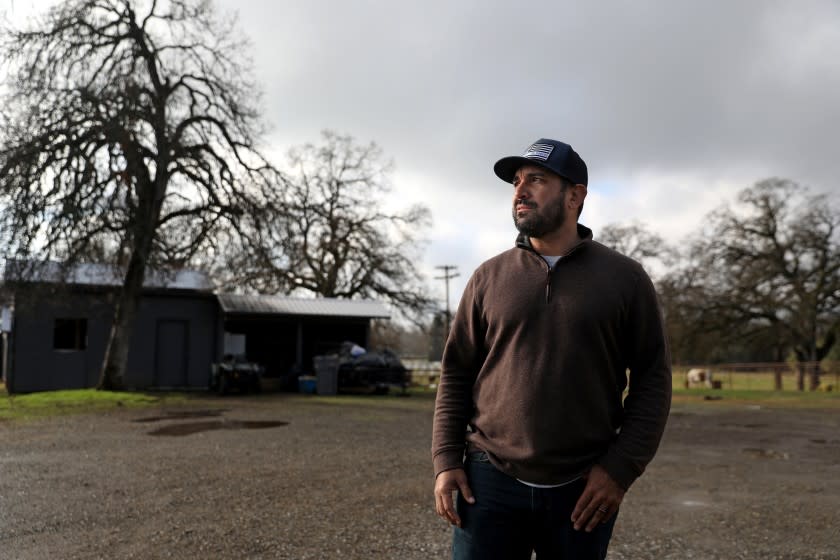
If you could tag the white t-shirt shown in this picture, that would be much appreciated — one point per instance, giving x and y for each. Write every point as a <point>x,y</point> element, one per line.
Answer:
<point>531,484</point>
<point>551,260</point>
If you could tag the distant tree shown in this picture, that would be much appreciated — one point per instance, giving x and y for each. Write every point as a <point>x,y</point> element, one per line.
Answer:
<point>404,339</point>
<point>770,269</point>
<point>334,236</point>
<point>127,128</point>
<point>834,355</point>
<point>636,241</point>
<point>385,334</point>
<point>681,297</point>
<point>699,337</point>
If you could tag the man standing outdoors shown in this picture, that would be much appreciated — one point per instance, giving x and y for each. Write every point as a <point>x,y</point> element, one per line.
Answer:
<point>530,427</point>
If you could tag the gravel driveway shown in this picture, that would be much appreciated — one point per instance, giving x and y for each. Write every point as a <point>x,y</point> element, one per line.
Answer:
<point>290,476</point>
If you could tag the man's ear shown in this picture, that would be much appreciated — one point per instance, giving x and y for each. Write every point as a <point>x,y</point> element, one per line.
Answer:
<point>577,194</point>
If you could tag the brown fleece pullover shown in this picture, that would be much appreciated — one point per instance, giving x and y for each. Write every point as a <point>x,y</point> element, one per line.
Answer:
<point>536,364</point>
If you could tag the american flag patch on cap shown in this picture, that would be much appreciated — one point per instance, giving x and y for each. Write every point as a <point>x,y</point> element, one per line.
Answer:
<point>538,151</point>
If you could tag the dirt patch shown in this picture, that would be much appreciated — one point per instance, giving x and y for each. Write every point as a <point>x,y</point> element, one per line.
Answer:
<point>198,427</point>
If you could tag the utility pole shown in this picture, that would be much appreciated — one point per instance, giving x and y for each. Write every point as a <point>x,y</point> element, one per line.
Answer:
<point>448,274</point>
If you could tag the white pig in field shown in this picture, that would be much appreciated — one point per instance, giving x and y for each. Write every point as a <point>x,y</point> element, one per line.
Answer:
<point>698,377</point>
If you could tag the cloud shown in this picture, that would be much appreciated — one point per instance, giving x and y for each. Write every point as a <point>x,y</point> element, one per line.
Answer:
<point>674,106</point>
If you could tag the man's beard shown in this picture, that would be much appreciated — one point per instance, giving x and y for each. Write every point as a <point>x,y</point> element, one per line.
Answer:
<point>537,222</point>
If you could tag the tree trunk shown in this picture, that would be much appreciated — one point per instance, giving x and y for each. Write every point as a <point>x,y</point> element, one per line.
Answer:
<point>800,376</point>
<point>815,375</point>
<point>116,353</point>
<point>777,378</point>
<point>779,370</point>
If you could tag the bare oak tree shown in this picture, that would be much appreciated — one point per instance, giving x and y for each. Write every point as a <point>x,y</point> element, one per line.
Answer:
<point>334,237</point>
<point>771,268</point>
<point>128,128</point>
<point>636,241</point>
<point>698,336</point>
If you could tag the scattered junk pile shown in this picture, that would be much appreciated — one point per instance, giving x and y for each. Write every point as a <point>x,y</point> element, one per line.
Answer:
<point>351,369</point>
<point>356,370</point>
<point>235,372</point>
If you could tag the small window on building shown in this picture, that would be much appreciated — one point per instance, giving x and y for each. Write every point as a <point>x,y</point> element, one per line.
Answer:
<point>70,334</point>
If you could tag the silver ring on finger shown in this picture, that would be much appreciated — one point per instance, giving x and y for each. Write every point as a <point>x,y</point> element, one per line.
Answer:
<point>603,509</point>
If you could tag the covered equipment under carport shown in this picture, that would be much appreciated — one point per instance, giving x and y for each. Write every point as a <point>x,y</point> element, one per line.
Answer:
<point>284,334</point>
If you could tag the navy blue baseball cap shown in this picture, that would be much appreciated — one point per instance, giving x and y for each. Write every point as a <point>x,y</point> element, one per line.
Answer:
<point>557,157</point>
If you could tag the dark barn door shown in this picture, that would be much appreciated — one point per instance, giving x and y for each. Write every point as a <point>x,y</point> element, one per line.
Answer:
<point>171,354</point>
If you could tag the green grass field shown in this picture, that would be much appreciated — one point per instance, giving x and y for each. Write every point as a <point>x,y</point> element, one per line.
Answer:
<point>56,403</point>
<point>737,389</point>
<point>757,387</point>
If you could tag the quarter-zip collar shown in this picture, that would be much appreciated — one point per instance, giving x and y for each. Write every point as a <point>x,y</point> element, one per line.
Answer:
<point>585,234</point>
<point>524,242</point>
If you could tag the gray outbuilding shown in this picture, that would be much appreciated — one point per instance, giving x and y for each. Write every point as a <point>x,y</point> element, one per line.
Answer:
<point>59,330</point>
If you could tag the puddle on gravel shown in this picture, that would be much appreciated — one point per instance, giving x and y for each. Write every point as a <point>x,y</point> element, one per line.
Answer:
<point>185,415</point>
<point>693,503</point>
<point>190,428</point>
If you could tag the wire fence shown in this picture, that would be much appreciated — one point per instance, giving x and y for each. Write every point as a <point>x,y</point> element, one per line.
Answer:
<point>768,376</point>
<point>424,373</point>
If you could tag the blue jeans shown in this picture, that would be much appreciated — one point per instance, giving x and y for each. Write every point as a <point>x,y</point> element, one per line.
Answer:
<point>509,520</point>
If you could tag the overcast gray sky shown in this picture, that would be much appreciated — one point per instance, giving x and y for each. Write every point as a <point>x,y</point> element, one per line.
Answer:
<point>675,106</point>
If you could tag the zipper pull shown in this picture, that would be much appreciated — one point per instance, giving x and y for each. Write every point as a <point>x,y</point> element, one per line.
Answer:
<point>548,286</point>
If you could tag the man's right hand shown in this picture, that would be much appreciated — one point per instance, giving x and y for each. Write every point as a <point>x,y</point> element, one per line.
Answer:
<point>446,483</point>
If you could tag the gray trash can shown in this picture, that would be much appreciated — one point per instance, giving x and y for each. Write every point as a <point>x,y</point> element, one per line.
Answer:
<point>326,370</point>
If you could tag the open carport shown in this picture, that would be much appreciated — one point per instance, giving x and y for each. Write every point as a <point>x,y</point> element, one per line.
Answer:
<point>284,334</point>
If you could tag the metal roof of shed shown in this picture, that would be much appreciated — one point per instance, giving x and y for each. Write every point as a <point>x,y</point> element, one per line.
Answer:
<point>322,307</point>
<point>98,274</point>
